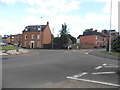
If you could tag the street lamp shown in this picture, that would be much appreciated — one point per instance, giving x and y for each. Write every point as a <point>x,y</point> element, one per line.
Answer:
<point>52,38</point>
<point>110,27</point>
<point>41,34</point>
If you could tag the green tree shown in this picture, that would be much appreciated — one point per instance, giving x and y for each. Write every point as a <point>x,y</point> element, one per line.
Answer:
<point>64,35</point>
<point>64,38</point>
<point>115,44</point>
<point>72,38</point>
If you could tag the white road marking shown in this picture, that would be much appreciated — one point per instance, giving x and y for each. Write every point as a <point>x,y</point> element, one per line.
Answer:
<point>103,73</point>
<point>99,67</point>
<point>115,66</point>
<point>80,75</point>
<point>86,53</point>
<point>110,66</point>
<point>93,81</point>
<point>104,64</point>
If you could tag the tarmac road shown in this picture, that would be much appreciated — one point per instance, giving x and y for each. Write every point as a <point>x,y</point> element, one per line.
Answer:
<point>50,69</point>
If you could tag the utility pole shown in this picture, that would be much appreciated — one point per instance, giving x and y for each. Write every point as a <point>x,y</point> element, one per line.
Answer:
<point>52,38</point>
<point>41,34</point>
<point>110,27</point>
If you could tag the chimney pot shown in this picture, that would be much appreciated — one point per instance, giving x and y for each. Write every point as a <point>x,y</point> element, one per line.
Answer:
<point>47,23</point>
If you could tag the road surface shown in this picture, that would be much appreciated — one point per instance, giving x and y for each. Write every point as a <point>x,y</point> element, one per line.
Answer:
<point>59,69</point>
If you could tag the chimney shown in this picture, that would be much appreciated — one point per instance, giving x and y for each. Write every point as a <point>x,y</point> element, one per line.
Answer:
<point>96,30</point>
<point>47,23</point>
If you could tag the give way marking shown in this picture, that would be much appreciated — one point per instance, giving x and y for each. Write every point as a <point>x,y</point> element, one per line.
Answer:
<point>78,76</point>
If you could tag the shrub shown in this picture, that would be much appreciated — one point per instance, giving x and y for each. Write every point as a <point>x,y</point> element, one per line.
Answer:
<point>115,44</point>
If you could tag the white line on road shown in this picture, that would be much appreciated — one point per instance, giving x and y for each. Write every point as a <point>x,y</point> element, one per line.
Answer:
<point>103,73</point>
<point>86,53</point>
<point>80,75</point>
<point>110,66</point>
<point>104,64</point>
<point>98,82</point>
<point>99,67</point>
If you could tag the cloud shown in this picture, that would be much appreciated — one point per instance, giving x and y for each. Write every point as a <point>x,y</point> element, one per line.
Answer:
<point>55,22</point>
<point>106,10</point>
<point>31,20</point>
<point>8,1</point>
<point>52,7</point>
<point>43,10</point>
<point>8,27</point>
<point>95,18</point>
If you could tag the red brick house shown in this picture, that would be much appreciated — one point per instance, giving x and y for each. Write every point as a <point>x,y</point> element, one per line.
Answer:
<point>36,36</point>
<point>94,38</point>
<point>16,39</point>
<point>6,39</point>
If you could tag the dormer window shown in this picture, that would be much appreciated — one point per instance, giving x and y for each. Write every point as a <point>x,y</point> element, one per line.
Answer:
<point>39,28</point>
<point>26,29</point>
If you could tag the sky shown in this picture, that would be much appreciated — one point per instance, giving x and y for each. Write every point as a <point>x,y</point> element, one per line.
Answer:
<point>79,15</point>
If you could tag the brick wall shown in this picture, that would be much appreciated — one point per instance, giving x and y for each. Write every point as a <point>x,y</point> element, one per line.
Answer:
<point>95,40</point>
<point>88,39</point>
<point>27,38</point>
<point>47,36</point>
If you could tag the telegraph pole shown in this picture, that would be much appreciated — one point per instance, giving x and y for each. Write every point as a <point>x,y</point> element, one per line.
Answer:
<point>41,34</point>
<point>52,38</point>
<point>110,27</point>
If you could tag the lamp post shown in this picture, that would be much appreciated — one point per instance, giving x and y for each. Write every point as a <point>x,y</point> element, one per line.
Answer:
<point>52,38</point>
<point>41,34</point>
<point>110,27</point>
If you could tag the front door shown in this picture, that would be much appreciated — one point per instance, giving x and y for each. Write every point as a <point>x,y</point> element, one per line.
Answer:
<point>32,44</point>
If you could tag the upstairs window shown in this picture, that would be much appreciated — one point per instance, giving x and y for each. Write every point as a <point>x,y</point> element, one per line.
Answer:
<point>25,36</point>
<point>32,36</point>
<point>26,29</point>
<point>38,36</point>
<point>39,29</point>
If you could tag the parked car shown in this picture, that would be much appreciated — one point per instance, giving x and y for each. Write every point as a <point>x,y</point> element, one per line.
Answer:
<point>3,44</point>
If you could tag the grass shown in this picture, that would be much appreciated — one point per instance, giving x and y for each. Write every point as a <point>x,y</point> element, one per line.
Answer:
<point>112,53</point>
<point>8,48</point>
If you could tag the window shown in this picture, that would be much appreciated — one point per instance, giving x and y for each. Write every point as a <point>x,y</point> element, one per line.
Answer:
<point>25,44</point>
<point>26,29</point>
<point>38,36</point>
<point>38,44</point>
<point>25,36</point>
<point>32,37</point>
<point>39,29</point>
<point>96,37</point>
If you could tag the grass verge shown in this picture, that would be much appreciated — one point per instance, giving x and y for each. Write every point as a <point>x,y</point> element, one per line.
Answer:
<point>112,53</point>
<point>8,48</point>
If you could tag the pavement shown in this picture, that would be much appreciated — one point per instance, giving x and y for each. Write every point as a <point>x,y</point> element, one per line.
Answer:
<point>98,53</point>
<point>13,52</point>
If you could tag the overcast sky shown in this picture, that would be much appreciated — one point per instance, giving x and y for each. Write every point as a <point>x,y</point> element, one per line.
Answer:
<point>77,14</point>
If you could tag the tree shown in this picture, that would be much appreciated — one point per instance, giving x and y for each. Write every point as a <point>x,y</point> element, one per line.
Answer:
<point>64,35</point>
<point>72,38</point>
<point>115,44</point>
<point>64,39</point>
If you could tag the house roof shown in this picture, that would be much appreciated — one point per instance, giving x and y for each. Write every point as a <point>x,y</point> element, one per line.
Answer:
<point>34,28</point>
<point>15,35</point>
